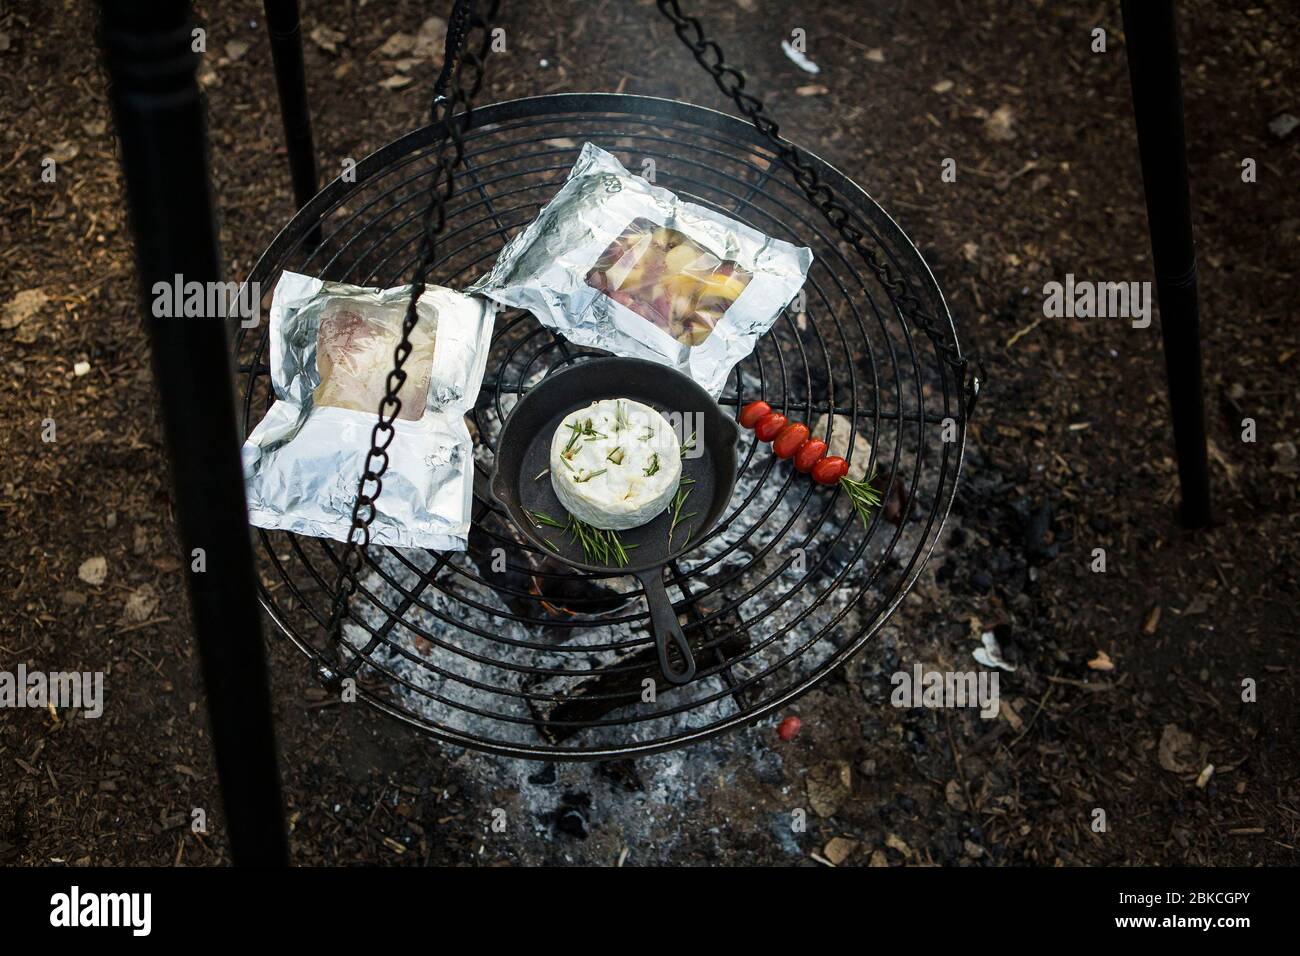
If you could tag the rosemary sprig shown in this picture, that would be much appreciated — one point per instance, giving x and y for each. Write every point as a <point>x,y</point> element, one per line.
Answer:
<point>542,518</point>
<point>572,439</point>
<point>653,467</point>
<point>862,496</point>
<point>598,546</point>
<point>679,501</point>
<point>688,445</point>
<point>582,479</point>
<point>620,418</point>
<point>583,430</point>
<point>616,452</point>
<point>541,474</point>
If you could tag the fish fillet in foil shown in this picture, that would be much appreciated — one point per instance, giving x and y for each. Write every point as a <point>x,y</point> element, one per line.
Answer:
<point>331,349</point>
<point>354,354</point>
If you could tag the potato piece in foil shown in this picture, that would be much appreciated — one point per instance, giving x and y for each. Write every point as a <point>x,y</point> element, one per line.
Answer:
<point>617,263</point>
<point>669,280</point>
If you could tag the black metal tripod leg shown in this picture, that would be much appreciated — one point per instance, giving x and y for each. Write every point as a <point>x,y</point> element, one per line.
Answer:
<point>1152,42</point>
<point>159,116</point>
<point>283,25</point>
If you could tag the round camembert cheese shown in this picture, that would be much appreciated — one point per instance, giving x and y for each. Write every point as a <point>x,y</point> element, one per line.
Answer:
<point>615,464</point>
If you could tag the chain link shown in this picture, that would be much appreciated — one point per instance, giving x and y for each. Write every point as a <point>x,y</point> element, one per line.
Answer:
<point>732,84</point>
<point>450,111</point>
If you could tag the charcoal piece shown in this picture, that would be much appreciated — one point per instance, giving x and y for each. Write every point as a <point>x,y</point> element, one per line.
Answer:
<point>545,777</point>
<point>619,685</point>
<point>623,686</point>
<point>622,774</point>
<point>1038,532</point>
<point>898,507</point>
<point>570,817</point>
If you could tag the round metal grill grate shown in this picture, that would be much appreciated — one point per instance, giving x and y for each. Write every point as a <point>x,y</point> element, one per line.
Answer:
<point>500,648</point>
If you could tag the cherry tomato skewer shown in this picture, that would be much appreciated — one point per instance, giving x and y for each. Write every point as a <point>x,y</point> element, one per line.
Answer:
<point>751,413</point>
<point>830,470</point>
<point>789,439</point>
<point>769,425</point>
<point>808,454</point>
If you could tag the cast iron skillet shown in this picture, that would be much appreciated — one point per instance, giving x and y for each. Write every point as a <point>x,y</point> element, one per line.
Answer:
<point>523,453</point>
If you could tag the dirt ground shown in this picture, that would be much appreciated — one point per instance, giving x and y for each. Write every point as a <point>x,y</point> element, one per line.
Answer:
<point>1127,685</point>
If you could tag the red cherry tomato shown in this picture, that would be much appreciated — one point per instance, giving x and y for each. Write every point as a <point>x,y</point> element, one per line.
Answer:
<point>789,728</point>
<point>789,439</point>
<point>751,413</point>
<point>808,454</point>
<point>830,470</point>
<point>769,425</point>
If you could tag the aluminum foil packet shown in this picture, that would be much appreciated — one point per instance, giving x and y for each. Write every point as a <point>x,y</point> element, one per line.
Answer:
<point>616,263</point>
<point>331,351</point>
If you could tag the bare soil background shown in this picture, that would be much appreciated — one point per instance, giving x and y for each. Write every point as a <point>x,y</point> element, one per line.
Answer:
<point>1071,451</point>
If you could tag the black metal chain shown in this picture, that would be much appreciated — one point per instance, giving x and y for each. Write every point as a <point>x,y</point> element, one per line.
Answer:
<point>450,110</point>
<point>732,83</point>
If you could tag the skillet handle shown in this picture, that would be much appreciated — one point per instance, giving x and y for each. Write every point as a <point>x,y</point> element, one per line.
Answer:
<point>665,628</point>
